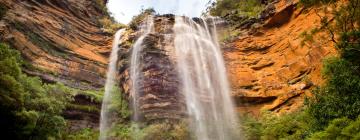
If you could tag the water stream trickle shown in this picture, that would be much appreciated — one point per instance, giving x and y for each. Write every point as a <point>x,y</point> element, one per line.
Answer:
<point>134,66</point>
<point>204,81</point>
<point>109,85</point>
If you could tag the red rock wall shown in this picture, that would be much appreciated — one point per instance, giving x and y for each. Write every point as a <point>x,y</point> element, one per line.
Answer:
<point>269,68</point>
<point>62,39</point>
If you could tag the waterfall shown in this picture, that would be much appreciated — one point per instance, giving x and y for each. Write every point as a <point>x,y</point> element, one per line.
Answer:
<point>204,81</point>
<point>109,85</point>
<point>146,28</point>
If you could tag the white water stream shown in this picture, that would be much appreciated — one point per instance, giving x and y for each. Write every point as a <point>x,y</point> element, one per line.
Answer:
<point>202,71</point>
<point>134,66</point>
<point>109,85</point>
<point>204,80</point>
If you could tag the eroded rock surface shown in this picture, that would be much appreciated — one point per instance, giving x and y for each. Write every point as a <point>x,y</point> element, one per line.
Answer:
<point>160,98</point>
<point>269,68</point>
<point>62,40</point>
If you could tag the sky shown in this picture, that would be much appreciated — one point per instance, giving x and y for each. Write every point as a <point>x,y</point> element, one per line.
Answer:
<point>124,10</point>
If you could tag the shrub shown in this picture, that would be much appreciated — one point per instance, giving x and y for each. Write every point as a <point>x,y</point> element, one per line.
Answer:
<point>295,126</point>
<point>340,128</point>
<point>84,134</point>
<point>29,109</point>
<point>251,127</point>
<point>120,131</point>
<point>249,8</point>
<point>166,131</point>
<point>110,25</point>
<point>136,20</point>
<point>235,11</point>
<point>340,96</point>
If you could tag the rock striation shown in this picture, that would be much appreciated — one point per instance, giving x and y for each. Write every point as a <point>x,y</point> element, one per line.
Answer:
<point>269,66</point>
<point>159,95</point>
<point>61,40</point>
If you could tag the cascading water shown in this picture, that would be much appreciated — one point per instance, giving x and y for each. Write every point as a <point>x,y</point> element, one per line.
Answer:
<point>109,86</point>
<point>204,82</point>
<point>134,66</point>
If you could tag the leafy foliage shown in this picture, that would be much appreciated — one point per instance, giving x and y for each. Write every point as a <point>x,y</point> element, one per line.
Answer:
<point>340,128</point>
<point>295,126</point>
<point>249,8</point>
<point>109,25</point>
<point>156,131</point>
<point>137,20</point>
<point>340,96</point>
<point>166,131</point>
<point>84,134</point>
<point>236,12</point>
<point>29,109</point>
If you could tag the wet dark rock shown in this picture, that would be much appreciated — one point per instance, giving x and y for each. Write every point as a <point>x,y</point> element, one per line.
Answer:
<point>160,99</point>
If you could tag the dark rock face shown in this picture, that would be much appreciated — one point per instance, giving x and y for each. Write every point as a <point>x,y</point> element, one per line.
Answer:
<point>80,118</point>
<point>159,96</point>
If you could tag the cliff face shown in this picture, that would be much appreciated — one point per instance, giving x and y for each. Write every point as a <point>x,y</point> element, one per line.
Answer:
<point>269,66</point>
<point>62,40</point>
<point>159,95</point>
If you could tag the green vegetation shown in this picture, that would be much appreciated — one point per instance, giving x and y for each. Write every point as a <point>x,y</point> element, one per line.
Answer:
<point>86,108</point>
<point>166,131</point>
<point>95,96</point>
<point>29,109</point>
<point>109,25</point>
<point>250,8</point>
<point>295,126</point>
<point>340,96</point>
<point>85,134</point>
<point>157,131</point>
<point>101,5</point>
<point>137,20</point>
<point>107,22</point>
<point>340,129</point>
<point>236,12</point>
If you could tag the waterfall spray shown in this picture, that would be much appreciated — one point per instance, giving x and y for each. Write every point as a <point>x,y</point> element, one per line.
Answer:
<point>204,82</point>
<point>109,85</point>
